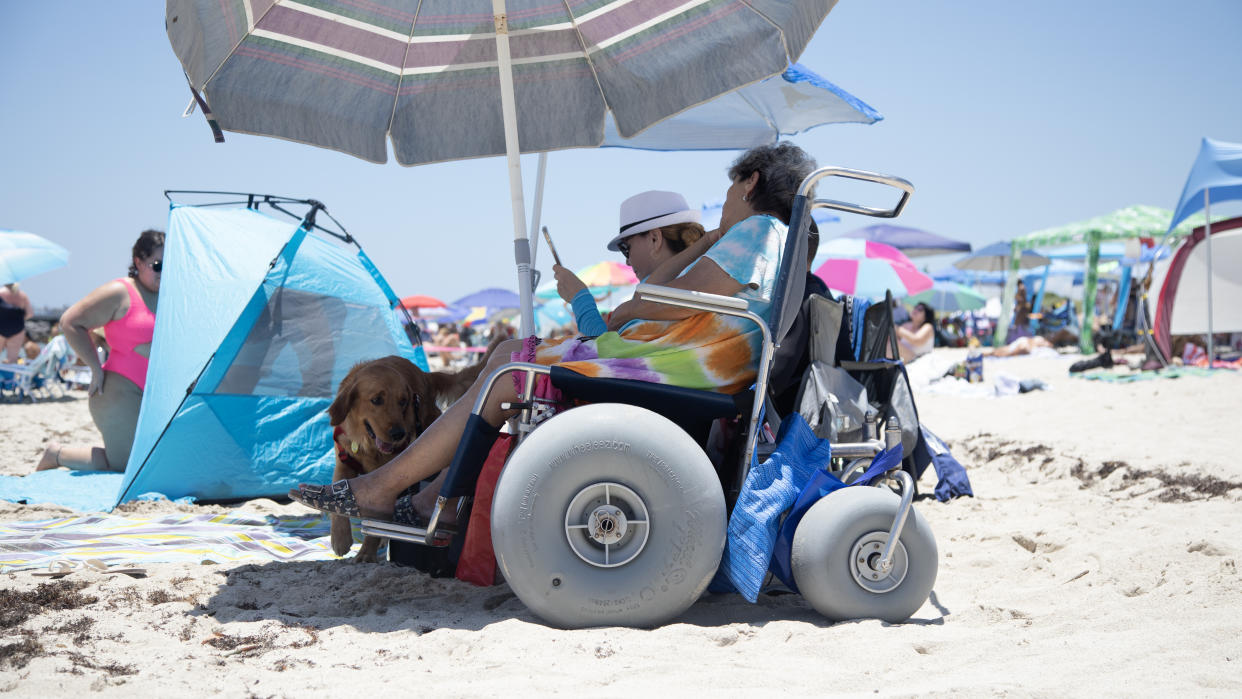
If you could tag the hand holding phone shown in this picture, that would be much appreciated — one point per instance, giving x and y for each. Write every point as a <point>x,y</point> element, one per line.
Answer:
<point>555,257</point>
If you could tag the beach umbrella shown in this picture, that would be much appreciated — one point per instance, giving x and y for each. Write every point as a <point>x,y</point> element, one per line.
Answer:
<point>421,301</point>
<point>996,258</point>
<point>868,269</point>
<point>950,296</point>
<point>911,241</point>
<point>24,255</point>
<point>602,279</point>
<point>451,79</point>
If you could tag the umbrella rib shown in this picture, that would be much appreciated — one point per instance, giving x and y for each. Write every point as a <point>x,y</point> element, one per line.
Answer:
<point>586,54</point>
<point>401,76</point>
<point>253,23</point>
<point>767,19</point>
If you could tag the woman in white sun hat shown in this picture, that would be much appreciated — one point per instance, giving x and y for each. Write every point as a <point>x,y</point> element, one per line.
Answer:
<point>646,341</point>
<point>655,226</point>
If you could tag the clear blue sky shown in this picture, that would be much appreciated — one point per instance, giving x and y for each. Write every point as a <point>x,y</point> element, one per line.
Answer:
<point>1008,118</point>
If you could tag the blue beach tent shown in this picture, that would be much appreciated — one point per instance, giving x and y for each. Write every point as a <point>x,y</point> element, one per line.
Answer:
<point>260,317</point>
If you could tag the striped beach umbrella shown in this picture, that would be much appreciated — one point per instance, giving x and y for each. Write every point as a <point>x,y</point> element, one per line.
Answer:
<point>868,269</point>
<point>450,79</point>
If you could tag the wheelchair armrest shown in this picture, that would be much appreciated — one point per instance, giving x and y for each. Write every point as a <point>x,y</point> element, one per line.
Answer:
<point>690,299</point>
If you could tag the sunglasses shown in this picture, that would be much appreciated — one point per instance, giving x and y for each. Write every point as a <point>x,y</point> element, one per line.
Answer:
<point>624,247</point>
<point>157,266</point>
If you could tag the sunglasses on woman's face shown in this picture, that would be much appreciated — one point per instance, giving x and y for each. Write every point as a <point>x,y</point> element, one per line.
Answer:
<point>157,266</point>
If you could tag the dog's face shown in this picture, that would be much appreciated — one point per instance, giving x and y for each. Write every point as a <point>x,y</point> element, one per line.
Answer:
<point>383,405</point>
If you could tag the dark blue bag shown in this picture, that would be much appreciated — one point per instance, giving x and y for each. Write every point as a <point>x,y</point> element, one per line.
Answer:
<point>821,484</point>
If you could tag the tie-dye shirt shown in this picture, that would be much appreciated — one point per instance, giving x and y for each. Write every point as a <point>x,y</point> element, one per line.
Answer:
<point>706,351</point>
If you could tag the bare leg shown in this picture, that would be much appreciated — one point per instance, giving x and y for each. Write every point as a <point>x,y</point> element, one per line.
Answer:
<point>73,458</point>
<point>377,491</point>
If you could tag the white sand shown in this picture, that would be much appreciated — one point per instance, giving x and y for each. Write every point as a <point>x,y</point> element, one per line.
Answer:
<point>1054,580</point>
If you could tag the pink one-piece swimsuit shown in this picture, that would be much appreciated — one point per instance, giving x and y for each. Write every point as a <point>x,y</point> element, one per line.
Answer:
<point>136,327</point>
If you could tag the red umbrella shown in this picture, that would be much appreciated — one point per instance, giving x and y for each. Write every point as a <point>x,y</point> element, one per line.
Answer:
<point>421,301</point>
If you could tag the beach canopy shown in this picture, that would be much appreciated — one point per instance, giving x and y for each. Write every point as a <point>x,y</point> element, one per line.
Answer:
<point>259,320</point>
<point>1217,168</point>
<point>1132,222</point>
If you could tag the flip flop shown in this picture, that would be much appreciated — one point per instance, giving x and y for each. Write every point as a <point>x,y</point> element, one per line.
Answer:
<point>119,570</point>
<point>57,569</point>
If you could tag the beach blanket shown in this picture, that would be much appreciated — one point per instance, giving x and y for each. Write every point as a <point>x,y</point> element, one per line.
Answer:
<point>171,538</point>
<point>1171,372</point>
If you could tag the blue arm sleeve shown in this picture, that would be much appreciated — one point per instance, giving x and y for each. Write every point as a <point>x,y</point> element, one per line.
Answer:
<point>590,322</point>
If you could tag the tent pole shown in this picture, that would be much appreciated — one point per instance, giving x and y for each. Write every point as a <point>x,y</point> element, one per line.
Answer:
<point>1207,227</point>
<point>508,110</point>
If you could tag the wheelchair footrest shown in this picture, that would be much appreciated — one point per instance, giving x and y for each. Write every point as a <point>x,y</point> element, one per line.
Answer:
<point>416,535</point>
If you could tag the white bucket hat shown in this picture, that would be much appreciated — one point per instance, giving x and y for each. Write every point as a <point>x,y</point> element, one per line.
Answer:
<point>648,210</point>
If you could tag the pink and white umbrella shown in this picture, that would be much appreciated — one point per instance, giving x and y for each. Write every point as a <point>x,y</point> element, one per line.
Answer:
<point>868,269</point>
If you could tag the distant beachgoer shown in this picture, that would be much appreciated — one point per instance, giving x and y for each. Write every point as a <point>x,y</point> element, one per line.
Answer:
<point>15,308</point>
<point>1021,315</point>
<point>31,349</point>
<point>125,309</point>
<point>1022,345</point>
<point>645,241</point>
<point>917,336</point>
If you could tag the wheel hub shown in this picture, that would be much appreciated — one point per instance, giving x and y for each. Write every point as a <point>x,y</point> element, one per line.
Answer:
<point>606,524</point>
<point>865,560</point>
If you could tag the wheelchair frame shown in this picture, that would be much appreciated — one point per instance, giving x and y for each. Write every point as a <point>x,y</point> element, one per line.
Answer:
<point>790,278</point>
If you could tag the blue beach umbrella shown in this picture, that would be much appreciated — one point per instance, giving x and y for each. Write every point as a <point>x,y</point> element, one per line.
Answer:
<point>911,241</point>
<point>783,105</point>
<point>24,255</point>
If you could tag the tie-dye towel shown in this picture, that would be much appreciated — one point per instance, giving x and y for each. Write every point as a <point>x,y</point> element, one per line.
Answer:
<point>706,351</point>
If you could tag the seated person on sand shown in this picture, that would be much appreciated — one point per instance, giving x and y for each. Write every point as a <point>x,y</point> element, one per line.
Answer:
<point>125,309</point>
<point>917,336</point>
<point>645,242</point>
<point>645,340</point>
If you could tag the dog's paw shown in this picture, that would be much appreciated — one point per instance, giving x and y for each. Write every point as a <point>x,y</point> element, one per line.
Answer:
<point>364,557</point>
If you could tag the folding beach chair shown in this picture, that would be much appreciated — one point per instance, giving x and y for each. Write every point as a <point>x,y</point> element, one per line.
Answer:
<point>37,378</point>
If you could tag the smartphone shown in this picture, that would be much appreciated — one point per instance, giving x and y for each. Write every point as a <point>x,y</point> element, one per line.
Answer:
<point>551,247</point>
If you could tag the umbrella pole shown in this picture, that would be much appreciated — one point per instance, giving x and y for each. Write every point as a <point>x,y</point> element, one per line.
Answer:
<point>540,174</point>
<point>508,110</point>
<point>1207,228</point>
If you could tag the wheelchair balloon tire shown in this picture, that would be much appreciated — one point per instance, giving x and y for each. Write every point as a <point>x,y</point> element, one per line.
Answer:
<point>841,536</point>
<point>608,515</point>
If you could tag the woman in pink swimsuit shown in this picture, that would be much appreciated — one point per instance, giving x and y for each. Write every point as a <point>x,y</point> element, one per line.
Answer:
<point>125,310</point>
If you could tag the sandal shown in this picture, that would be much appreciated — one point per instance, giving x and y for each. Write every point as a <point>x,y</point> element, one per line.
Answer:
<point>57,569</point>
<point>336,498</point>
<point>403,511</point>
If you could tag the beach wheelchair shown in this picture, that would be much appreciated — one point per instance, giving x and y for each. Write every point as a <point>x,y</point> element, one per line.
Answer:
<point>612,513</point>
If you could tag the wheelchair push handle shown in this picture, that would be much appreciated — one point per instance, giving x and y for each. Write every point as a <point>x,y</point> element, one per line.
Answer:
<point>889,180</point>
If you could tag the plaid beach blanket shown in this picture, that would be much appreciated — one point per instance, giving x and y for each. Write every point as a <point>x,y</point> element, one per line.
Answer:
<point>189,538</point>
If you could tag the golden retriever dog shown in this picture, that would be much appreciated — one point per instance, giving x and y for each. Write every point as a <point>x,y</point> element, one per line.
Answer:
<point>380,407</point>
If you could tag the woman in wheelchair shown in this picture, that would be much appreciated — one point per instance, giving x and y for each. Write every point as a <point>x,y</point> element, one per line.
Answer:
<point>645,341</point>
<point>655,226</point>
